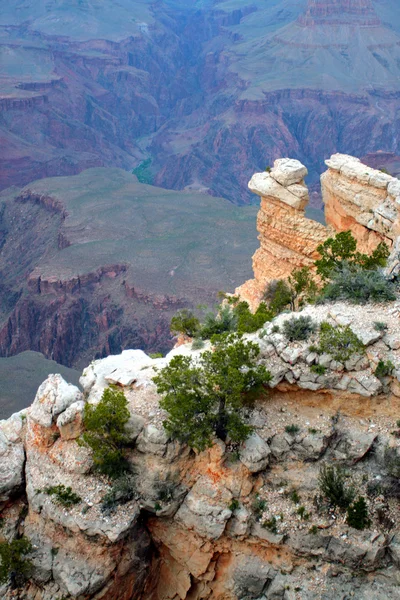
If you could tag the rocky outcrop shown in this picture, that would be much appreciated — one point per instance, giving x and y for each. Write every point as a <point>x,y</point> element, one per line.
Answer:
<point>364,200</point>
<point>223,524</point>
<point>288,240</point>
<point>356,197</point>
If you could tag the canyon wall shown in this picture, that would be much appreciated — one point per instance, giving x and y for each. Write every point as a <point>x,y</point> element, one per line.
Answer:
<point>356,197</point>
<point>229,523</point>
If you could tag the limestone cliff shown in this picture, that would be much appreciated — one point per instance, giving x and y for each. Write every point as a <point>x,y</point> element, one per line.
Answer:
<point>356,197</point>
<point>217,525</point>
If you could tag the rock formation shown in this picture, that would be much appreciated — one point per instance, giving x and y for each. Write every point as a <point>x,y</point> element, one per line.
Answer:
<point>215,525</point>
<point>356,197</point>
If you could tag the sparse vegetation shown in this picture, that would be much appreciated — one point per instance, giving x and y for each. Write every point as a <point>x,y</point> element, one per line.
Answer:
<point>339,341</point>
<point>205,398</point>
<point>303,514</point>
<point>380,326</point>
<point>122,491</point>
<point>299,328</point>
<point>357,514</point>
<point>197,344</point>
<point>105,432</point>
<point>271,524</point>
<point>14,566</point>
<point>384,369</point>
<point>342,250</point>
<point>292,429</point>
<point>318,369</point>
<point>333,486</point>
<point>185,322</point>
<point>63,495</point>
<point>258,506</point>
<point>359,286</point>
<point>156,355</point>
<point>275,329</point>
<point>234,505</point>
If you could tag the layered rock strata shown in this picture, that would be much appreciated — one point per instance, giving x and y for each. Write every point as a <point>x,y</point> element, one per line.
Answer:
<point>356,197</point>
<point>216,525</point>
<point>288,239</point>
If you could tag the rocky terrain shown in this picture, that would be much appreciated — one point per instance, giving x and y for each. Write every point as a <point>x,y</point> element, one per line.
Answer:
<point>208,92</point>
<point>231,522</point>
<point>356,197</point>
<point>216,524</point>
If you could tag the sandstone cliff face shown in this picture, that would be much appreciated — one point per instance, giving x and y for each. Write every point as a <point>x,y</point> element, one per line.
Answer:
<point>288,240</point>
<point>356,197</point>
<point>215,525</point>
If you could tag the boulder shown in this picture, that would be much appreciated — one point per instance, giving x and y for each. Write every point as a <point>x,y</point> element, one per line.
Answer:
<point>69,422</point>
<point>53,397</point>
<point>288,171</point>
<point>12,460</point>
<point>206,508</point>
<point>255,453</point>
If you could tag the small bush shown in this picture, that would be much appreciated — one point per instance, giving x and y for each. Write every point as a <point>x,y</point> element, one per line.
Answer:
<point>359,286</point>
<point>271,525</point>
<point>384,369</point>
<point>105,432</point>
<point>215,324</point>
<point>303,514</point>
<point>165,491</point>
<point>63,495</point>
<point>185,322</point>
<point>313,348</point>
<point>299,328</point>
<point>14,568</point>
<point>123,491</point>
<point>247,322</point>
<point>258,506</point>
<point>357,514</point>
<point>234,505</point>
<point>332,483</point>
<point>294,496</point>
<point>339,341</point>
<point>318,369</point>
<point>197,344</point>
<point>313,530</point>
<point>292,429</point>
<point>278,295</point>
<point>275,329</point>
<point>156,355</point>
<point>380,326</point>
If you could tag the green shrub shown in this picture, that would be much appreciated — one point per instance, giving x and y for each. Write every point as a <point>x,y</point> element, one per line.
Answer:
<point>342,249</point>
<point>268,169</point>
<point>14,568</point>
<point>205,398</point>
<point>313,530</point>
<point>156,355</point>
<point>294,496</point>
<point>339,341</point>
<point>299,328</point>
<point>292,429</point>
<point>380,326</point>
<point>303,514</point>
<point>246,321</point>
<point>197,344</point>
<point>384,369</point>
<point>275,329</point>
<point>359,286</point>
<point>258,507</point>
<point>318,369</point>
<point>165,490</point>
<point>332,483</point>
<point>185,322</point>
<point>105,432</point>
<point>234,505</point>
<point>143,172</point>
<point>216,324</point>
<point>303,286</point>
<point>271,525</point>
<point>357,514</point>
<point>122,491</point>
<point>278,295</point>
<point>63,495</point>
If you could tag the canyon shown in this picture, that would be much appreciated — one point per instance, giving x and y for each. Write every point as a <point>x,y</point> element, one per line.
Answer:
<point>208,93</point>
<point>242,522</point>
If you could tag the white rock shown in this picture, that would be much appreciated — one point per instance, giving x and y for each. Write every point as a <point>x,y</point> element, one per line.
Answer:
<point>380,180</point>
<point>288,171</point>
<point>264,185</point>
<point>52,398</point>
<point>336,161</point>
<point>394,187</point>
<point>254,453</point>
